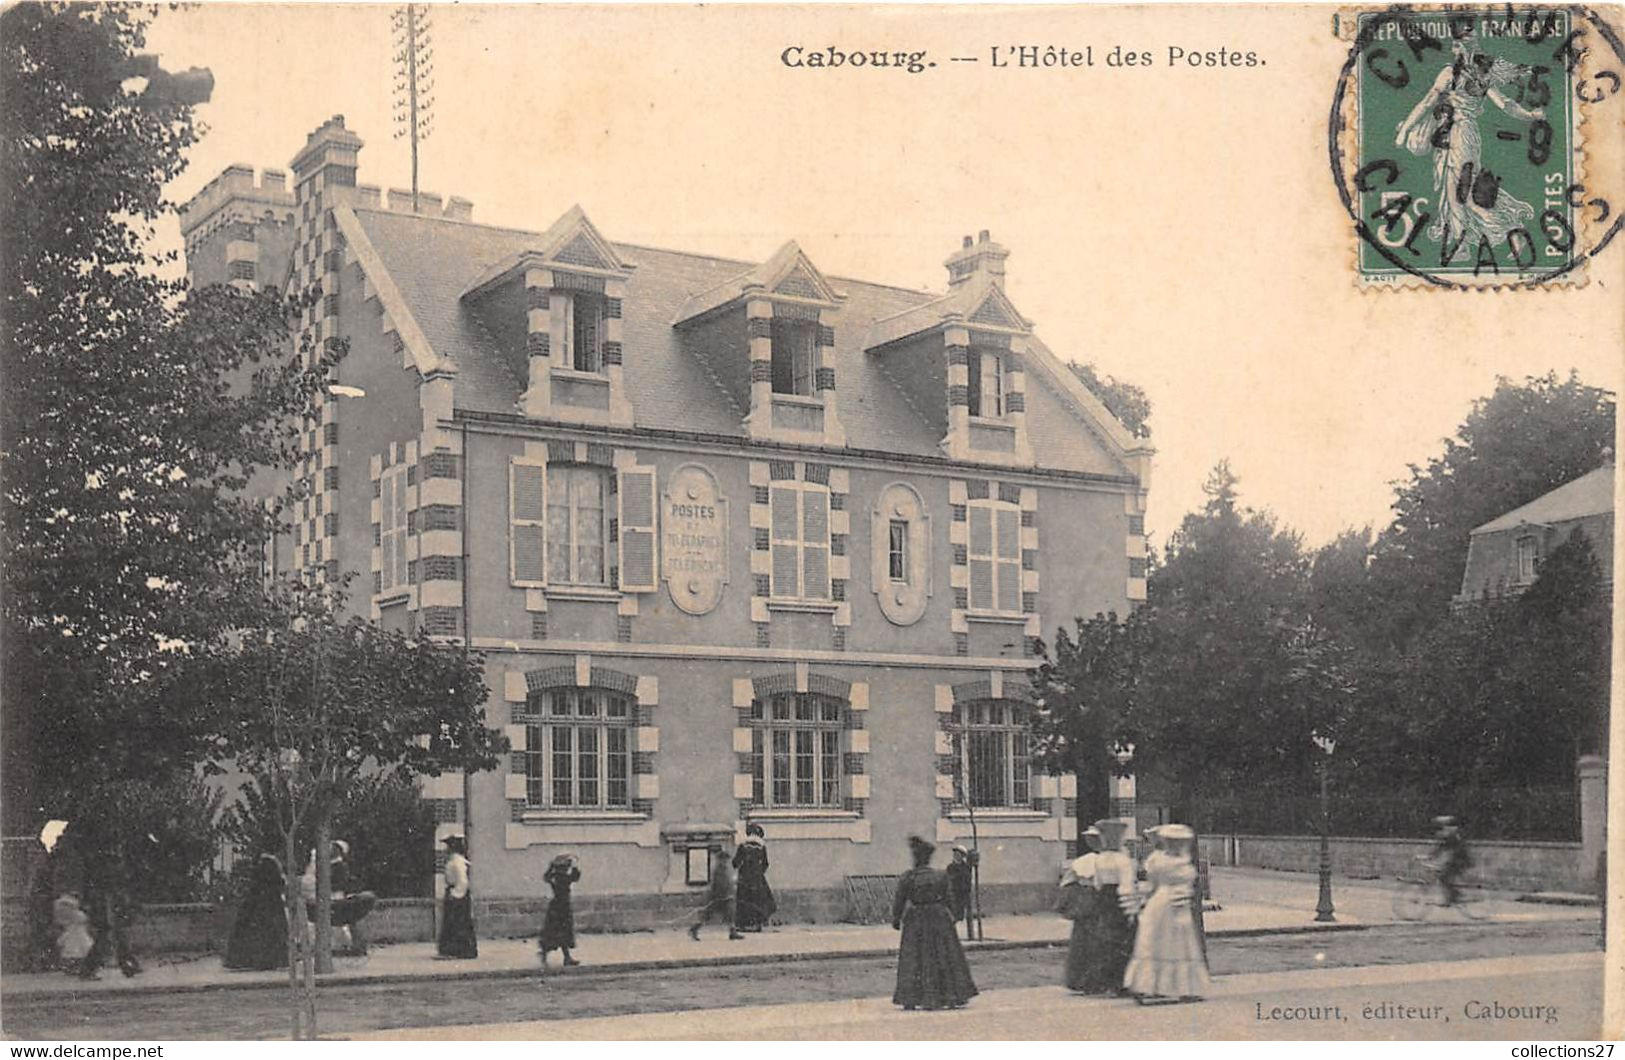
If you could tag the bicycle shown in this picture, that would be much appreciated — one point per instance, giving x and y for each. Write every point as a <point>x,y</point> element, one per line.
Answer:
<point>1417,894</point>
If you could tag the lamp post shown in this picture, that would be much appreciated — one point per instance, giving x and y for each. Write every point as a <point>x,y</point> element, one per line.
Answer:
<point>1123,787</point>
<point>1324,911</point>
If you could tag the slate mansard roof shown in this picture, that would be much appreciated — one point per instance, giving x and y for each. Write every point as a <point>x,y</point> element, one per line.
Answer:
<point>432,261</point>
<point>1590,494</point>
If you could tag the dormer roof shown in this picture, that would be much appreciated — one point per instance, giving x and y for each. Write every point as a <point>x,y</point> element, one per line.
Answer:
<point>980,303</point>
<point>572,244</point>
<point>427,265</point>
<point>788,276</point>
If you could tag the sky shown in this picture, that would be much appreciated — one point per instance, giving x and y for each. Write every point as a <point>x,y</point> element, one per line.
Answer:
<point>1175,226</point>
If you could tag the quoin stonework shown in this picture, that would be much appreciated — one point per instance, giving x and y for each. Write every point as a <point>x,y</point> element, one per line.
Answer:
<point>739,541</point>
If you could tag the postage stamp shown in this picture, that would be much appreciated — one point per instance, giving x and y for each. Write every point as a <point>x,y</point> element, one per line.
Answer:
<point>1458,142</point>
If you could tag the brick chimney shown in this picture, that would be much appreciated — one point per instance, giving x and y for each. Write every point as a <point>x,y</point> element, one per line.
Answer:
<point>327,160</point>
<point>975,258</point>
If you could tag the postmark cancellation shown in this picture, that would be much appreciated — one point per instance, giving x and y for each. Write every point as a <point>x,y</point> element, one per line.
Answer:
<point>1478,147</point>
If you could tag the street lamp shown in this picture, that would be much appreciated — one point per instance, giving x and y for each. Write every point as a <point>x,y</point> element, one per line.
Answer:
<point>1323,908</point>
<point>1123,787</point>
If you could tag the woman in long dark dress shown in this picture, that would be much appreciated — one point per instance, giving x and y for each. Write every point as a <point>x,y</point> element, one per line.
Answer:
<point>259,935</point>
<point>1115,884</point>
<point>753,897</point>
<point>457,940</point>
<point>931,969</point>
<point>559,923</point>
<point>1080,901</point>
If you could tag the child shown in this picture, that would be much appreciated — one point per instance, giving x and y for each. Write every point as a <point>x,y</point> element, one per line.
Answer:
<point>75,942</point>
<point>719,900</point>
<point>959,887</point>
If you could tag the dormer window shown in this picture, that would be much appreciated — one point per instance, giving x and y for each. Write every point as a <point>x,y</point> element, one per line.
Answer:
<point>795,357</point>
<point>783,309</point>
<point>1528,554</point>
<point>584,332</point>
<point>568,291</point>
<point>986,380</point>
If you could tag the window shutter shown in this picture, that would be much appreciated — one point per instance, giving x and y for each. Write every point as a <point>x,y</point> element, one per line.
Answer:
<point>386,536</point>
<point>1008,534</point>
<point>637,530</point>
<point>400,527</point>
<point>527,505</point>
<point>815,544</point>
<point>980,555</point>
<point>786,558</point>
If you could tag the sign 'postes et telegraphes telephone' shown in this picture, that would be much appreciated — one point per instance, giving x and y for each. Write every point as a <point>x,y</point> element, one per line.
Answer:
<point>694,539</point>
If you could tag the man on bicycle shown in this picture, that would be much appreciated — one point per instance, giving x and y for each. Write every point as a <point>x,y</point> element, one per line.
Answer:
<point>1449,857</point>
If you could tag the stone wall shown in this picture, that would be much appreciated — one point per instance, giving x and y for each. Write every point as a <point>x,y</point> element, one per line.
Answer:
<point>1504,865</point>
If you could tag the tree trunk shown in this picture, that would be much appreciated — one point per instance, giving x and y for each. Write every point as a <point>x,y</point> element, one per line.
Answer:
<point>324,891</point>
<point>1181,811</point>
<point>1094,787</point>
<point>299,1026</point>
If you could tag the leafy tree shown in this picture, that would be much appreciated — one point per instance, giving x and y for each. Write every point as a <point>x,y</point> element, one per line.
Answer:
<point>161,842</point>
<point>1222,701</point>
<point>1122,399</point>
<point>1086,690</point>
<point>134,413</point>
<point>1522,441</point>
<point>311,702</point>
<point>383,815</point>
<point>1566,621</point>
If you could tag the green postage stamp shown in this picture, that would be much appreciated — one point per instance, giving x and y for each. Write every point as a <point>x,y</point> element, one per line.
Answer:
<point>1456,140</point>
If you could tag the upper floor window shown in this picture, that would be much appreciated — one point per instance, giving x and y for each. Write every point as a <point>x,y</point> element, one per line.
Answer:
<point>241,270</point>
<point>795,356</point>
<point>578,750</point>
<point>986,378</point>
<point>584,331</point>
<point>576,526</point>
<point>993,751</point>
<point>897,550</point>
<point>795,757</point>
<point>392,529</point>
<point>994,555</point>
<point>1528,556</point>
<point>800,541</point>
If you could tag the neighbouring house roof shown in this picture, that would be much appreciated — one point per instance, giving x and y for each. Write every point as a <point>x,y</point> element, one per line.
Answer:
<point>1590,494</point>
<point>432,262</point>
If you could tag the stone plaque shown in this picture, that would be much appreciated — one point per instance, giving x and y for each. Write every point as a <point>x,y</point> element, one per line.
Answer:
<point>694,539</point>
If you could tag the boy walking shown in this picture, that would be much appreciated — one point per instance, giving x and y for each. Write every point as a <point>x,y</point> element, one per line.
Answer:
<point>719,900</point>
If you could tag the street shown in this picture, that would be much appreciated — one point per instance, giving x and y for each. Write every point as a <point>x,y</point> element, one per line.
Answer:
<point>849,997</point>
<point>1556,996</point>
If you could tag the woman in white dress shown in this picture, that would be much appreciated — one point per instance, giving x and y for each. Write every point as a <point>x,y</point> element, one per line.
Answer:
<point>1168,964</point>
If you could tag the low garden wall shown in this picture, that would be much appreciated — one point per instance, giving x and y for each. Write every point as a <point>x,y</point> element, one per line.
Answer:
<point>203,928</point>
<point>1514,865</point>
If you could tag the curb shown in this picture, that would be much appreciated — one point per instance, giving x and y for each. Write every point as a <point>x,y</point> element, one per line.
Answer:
<point>1559,898</point>
<point>743,960</point>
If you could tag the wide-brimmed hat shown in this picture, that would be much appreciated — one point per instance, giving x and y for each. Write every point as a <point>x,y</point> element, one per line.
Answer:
<point>1177,832</point>
<point>456,842</point>
<point>562,860</point>
<point>52,832</point>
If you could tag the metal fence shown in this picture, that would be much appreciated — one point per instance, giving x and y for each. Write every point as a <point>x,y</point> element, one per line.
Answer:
<point>1485,813</point>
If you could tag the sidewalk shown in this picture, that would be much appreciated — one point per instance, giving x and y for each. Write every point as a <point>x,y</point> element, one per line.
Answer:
<point>1252,902</point>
